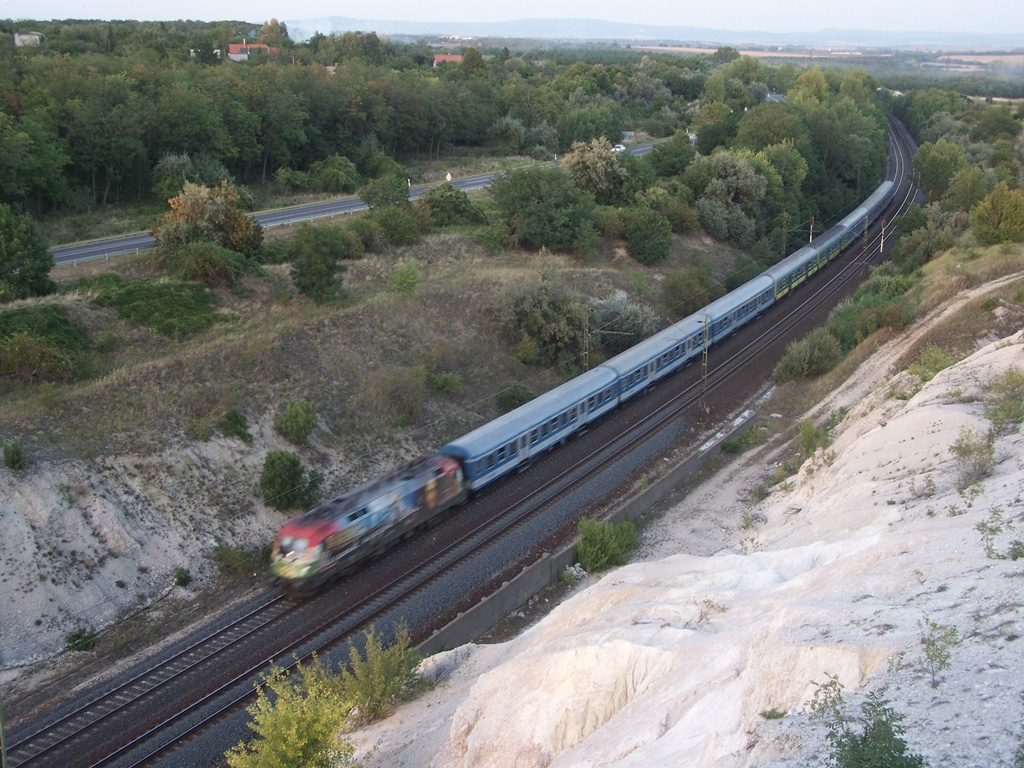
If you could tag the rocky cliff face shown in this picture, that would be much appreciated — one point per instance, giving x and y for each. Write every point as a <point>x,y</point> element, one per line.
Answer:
<point>849,566</point>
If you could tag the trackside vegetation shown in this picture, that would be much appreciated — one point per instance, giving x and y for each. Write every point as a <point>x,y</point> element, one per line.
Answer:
<point>299,715</point>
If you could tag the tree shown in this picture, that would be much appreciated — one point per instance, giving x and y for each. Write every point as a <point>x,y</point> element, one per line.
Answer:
<point>385,191</point>
<point>314,253</point>
<point>473,62</point>
<point>334,174</point>
<point>274,33</point>
<point>595,169</point>
<point>174,169</point>
<point>450,205</point>
<point>767,124</point>
<point>999,218</point>
<point>546,318</point>
<point>648,236</point>
<point>966,190</point>
<point>935,165</point>
<point>25,261</point>
<point>297,718</point>
<point>670,158</point>
<point>202,213</point>
<point>542,208</point>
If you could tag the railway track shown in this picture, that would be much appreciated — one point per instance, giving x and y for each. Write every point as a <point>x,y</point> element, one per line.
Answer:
<point>142,720</point>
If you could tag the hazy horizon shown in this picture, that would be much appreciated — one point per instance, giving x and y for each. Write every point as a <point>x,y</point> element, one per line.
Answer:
<point>940,16</point>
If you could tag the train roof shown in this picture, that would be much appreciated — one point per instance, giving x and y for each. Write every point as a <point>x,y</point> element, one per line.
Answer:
<point>504,428</point>
<point>733,299</point>
<point>867,206</point>
<point>784,267</point>
<point>652,346</point>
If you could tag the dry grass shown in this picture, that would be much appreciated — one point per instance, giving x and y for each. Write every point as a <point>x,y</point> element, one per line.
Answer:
<point>356,359</point>
<point>960,269</point>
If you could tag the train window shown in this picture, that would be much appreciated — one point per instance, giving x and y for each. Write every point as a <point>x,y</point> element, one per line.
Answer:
<point>490,460</point>
<point>511,449</point>
<point>563,419</point>
<point>534,435</point>
<point>501,454</point>
<point>554,424</point>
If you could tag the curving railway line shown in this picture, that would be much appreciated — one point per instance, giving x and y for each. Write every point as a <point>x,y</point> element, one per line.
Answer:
<point>186,705</point>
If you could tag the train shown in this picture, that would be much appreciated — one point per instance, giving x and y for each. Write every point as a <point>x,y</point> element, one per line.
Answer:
<point>331,539</point>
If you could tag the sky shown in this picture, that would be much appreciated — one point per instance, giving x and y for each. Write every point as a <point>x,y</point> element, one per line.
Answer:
<point>995,16</point>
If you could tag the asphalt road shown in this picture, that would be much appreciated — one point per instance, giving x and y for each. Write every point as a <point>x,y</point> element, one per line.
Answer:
<point>112,246</point>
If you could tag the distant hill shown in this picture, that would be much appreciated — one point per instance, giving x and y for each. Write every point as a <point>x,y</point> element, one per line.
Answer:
<point>595,29</point>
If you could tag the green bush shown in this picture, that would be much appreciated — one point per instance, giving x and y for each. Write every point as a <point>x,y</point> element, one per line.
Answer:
<point>80,639</point>
<point>550,314</point>
<point>446,382</point>
<point>167,307</point>
<point>398,225</point>
<point>450,205</point>
<point>603,545</point>
<point>404,279</point>
<point>315,274</point>
<point>618,323</point>
<point>234,424</point>
<point>367,230</point>
<point>284,482</point>
<point>296,718</point>
<point>44,321</point>
<point>40,343</point>
<point>679,214</point>
<point>1004,398</point>
<point>817,353</point>
<point>878,742</point>
<point>648,236</point>
<point>810,437</point>
<point>14,455</point>
<point>743,269</point>
<point>974,455</point>
<point>29,358</point>
<point>297,422</point>
<point>512,397</point>
<point>209,263</point>
<point>381,677</point>
<point>932,359</point>
<point>182,578</point>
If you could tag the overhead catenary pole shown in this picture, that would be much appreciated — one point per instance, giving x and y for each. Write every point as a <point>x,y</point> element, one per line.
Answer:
<point>702,404</point>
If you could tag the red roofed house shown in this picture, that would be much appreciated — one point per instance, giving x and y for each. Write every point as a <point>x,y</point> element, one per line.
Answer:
<point>444,58</point>
<point>240,51</point>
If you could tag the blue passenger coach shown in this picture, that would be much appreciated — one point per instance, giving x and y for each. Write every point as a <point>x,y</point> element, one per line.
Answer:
<point>738,307</point>
<point>511,440</point>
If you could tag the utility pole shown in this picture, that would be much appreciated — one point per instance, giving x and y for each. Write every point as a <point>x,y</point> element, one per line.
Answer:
<point>702,404</point>
<point>811,239</point>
